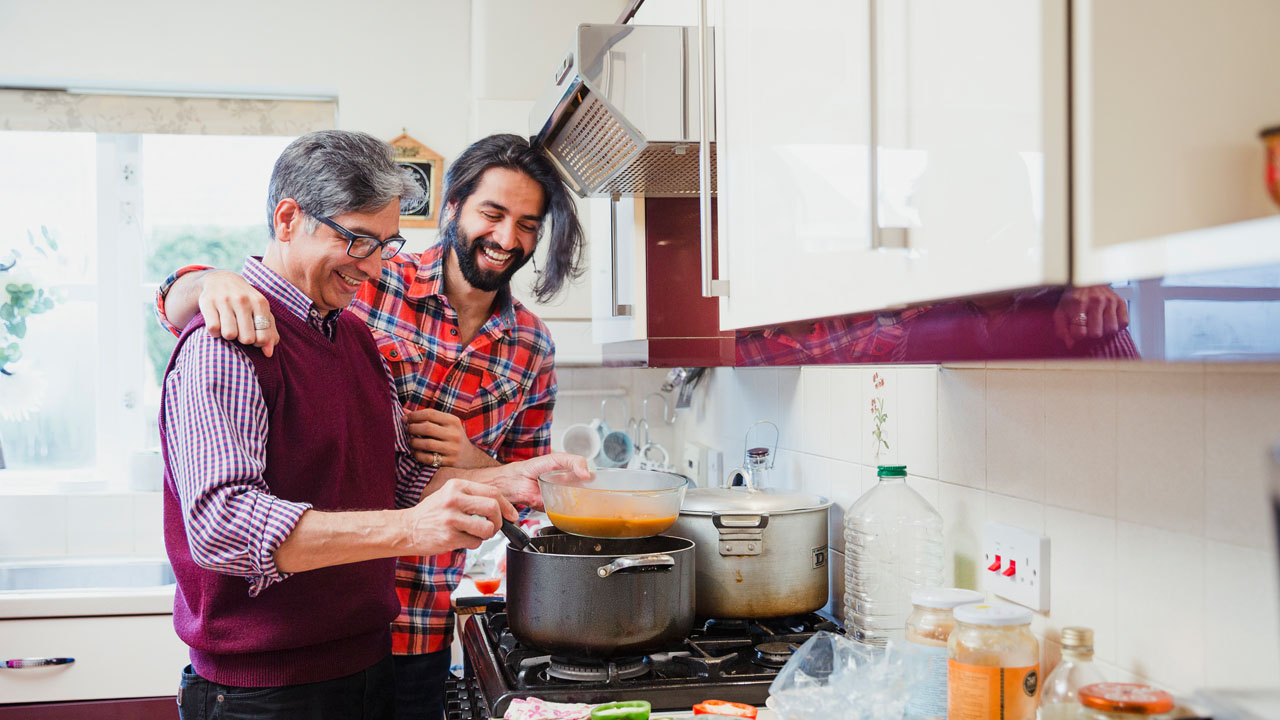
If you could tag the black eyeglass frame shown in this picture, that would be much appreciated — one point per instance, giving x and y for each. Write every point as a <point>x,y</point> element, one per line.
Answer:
<point>390,246</point>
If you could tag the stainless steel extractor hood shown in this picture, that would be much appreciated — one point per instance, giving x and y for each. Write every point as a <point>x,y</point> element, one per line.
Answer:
<point>622,114</point>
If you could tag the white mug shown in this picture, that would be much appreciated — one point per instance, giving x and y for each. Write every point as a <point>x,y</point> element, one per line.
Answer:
<point>585,438</point>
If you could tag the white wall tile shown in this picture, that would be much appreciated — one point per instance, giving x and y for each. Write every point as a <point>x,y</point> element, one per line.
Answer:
<point>1160,450</point>
<point>962,427</point>
<point>815,428</point>
<point>848,416</point>
<point>1020,513</point>
<point>759,387</point>
<point>1082,576</point>
<point>1242,421</point>
<point>1015,433</point>
<point>918,431</point>
<point>873,452</point>
<point>100,524</point>
<point>1160,610</point>
<point>148,513</point>
<point>846,488</point>
<point>1241,614</point>
<point>33,525</point>
<point>927,487</point>
<point>963,514</point>
<point>1080,441</point>
<point>791,407</point>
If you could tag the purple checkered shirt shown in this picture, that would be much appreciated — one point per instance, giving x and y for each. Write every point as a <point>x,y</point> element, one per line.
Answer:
<point>217,429</point>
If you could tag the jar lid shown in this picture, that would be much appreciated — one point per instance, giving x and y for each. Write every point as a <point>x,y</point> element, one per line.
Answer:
<point>891,471</point>
<point>1077,637</point>
<point>993,614</point>
<point>708,501</point>
<point>1269,131</point>
<point>945,598</point>
<point>1126,697</point>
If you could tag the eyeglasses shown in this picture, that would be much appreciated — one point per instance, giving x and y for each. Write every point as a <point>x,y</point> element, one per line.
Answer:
<point>362,246</point>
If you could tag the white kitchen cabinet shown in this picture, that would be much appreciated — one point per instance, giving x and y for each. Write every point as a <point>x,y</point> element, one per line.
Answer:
<point>126,656</point>
<point>616,238</point>
<point>1017,145</point>
<point>1169,100</point>
<point>793,129</point>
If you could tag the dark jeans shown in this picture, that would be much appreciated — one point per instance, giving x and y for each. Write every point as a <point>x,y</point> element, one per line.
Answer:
<point>367,695</point>
<point>420,685</point>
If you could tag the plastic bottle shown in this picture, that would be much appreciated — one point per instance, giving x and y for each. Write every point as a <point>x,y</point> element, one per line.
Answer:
<point>1060,698</point>
<point>893,540</point>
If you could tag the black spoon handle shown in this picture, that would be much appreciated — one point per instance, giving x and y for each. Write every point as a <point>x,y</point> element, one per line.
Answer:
<point>517,536</point>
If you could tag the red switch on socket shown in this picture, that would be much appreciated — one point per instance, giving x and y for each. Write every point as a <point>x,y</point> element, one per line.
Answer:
<point>1012,569</point>
<point>995,566</point>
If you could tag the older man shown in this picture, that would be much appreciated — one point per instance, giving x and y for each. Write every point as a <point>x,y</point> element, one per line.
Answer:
<point>289,484</point>
<point>473,366</point>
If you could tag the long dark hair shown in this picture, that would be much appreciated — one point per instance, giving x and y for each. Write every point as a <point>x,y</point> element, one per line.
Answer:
<point>564,255</point>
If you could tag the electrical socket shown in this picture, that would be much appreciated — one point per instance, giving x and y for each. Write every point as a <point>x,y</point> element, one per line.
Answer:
<point>1006,546</point>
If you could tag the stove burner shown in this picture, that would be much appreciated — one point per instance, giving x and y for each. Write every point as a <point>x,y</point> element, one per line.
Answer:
<point>603,671</point>
<point>774,654</point>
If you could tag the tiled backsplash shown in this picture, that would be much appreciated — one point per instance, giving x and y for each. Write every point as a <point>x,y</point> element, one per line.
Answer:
<point>1148,479</point>
<point>85,525</point>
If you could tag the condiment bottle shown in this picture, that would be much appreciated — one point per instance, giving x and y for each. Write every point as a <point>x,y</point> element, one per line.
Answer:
<point>993,665</point>
<point>1124,701</point>
<point>928,627</point>
<point>1060,697</point>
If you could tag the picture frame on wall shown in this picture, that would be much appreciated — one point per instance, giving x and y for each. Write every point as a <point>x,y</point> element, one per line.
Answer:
<point>427,168</point>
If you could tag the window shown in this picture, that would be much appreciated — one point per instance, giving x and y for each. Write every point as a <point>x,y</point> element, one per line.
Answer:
<point>98,219</point>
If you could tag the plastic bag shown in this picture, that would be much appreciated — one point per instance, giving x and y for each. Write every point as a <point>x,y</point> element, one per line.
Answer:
<point>831,676</point>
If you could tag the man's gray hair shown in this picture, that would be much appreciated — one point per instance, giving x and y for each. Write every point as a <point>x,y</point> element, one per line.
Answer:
<point>333,172</point>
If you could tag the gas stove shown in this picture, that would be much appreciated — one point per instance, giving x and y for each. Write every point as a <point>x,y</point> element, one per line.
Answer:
<point>733,660</point>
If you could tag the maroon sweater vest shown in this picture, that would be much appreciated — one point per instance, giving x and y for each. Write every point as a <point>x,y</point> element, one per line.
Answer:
<point>331,443</point>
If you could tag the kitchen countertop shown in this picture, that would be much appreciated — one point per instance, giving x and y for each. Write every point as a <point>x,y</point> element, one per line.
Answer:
<point>86,602</point>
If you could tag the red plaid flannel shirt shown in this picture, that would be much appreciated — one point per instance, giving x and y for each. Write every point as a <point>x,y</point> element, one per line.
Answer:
<point>502,386</point>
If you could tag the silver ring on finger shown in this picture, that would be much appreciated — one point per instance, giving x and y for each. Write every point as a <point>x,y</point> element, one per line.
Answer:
<point>1082,319</point>
<point>261,322</point>
<point>435,460</point>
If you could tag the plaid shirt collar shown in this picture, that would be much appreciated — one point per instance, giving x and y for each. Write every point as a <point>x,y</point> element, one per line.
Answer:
<point>291,297</point>
<point>429,282</point>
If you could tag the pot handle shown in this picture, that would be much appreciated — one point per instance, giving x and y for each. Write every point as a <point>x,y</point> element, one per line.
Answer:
<point>737,521</point>
<point>637,562</point>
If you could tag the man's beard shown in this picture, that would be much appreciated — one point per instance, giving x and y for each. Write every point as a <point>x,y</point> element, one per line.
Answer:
<point>467,250</point>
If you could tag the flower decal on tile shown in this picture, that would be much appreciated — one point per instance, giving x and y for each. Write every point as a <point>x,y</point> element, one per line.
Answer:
<point>879,415</point>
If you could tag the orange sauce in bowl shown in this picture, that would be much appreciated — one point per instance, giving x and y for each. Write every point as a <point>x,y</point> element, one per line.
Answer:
<point>488,585</point>
<point>611,527</point>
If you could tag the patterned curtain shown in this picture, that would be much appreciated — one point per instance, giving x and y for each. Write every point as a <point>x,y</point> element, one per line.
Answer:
<point>59,110</point>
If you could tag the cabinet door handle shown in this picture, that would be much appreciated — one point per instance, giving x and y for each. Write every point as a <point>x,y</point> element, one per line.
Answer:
<point>616,310</point>
<point>33,662</point>
<point>711,287</point>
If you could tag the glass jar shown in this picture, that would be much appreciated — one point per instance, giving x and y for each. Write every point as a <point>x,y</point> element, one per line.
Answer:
<point>993,665</point>
<point>928,628</point>
<point>1060,692</point>
<point>1124,701</point>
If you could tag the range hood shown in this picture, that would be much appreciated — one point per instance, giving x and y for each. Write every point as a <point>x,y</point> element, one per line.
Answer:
<point>621,117</point>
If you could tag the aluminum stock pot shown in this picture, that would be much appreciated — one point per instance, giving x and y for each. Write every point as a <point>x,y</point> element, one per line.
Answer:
<point>592,598</point>
<point>761,553</point>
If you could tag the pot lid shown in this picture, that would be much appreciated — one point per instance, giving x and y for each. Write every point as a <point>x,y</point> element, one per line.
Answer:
<point>708,501</point>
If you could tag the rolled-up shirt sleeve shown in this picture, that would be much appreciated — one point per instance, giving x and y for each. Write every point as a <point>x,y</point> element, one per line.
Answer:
<point>163,291</point>
<point>216,429</point>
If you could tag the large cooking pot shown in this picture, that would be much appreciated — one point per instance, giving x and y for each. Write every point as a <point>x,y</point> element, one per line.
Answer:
<point>761,553</point>
<point>591,598</point>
